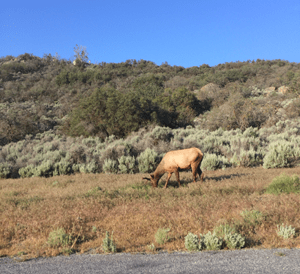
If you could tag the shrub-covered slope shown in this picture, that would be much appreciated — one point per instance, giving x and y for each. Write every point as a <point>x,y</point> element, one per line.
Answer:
<point>60,118</point>
<point>39,94</point>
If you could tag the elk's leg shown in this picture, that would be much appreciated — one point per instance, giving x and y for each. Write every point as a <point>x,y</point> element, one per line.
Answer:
<point>177,177</point>
<point>201,174</point>
<point>194,171</point>
<point>168,178</point>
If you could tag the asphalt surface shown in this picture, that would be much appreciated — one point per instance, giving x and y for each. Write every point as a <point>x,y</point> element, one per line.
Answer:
<point>237,261</point>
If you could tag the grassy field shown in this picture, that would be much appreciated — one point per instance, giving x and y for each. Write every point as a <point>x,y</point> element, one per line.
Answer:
<point>88,205</point>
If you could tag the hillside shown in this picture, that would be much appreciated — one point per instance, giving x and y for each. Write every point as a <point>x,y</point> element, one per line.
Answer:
<point>60,118</point>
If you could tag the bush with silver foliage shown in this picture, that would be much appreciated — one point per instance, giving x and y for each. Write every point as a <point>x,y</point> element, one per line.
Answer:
<point>286,231</point>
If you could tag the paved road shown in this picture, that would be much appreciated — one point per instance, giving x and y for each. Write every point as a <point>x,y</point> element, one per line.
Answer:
<point>242,261</point>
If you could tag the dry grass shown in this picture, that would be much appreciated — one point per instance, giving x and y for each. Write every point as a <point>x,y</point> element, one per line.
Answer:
<point>87,206</point>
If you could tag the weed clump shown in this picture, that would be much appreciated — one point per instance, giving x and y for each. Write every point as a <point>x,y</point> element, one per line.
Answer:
<point>211,241</point>
<point>234,241</point>
<point>252,217</point>
<point>151,247</point>
<point>162,236</point>
<point>285,231</point>
<point>224,229</point>
<point>222,236</point>
<point>109,244</point>
<point>284,184</point>
<point>191,242</point>
<point>58,238</point>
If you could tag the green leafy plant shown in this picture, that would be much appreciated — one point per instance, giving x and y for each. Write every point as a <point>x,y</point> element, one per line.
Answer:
<point>161,133</point>
<point>5,170</point>
<point>151,247</point>
<point>211,241</point>
<point>59,237</point>
<point>284,184</point>
<point>223,230</point>
<point>27,171</point>
<point>252,217</point>
<point>110,166</point>
<point>94,191</point>
<point>234,241</point>
<point>126,164</point>
<point>161,236</point>
<point>191,242</point>
<point>109,244</point>
<point>280,154</point>
<point>147,160</point>
<point>286,231</point>
<point>210,162</point>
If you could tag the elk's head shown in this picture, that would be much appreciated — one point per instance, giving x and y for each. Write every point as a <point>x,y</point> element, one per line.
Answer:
<point>153,180</point>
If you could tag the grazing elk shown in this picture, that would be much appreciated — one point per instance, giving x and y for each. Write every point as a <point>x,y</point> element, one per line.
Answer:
<point>175,161</point>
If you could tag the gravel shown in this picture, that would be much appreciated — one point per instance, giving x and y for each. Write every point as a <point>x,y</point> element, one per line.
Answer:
<point>237,261</point>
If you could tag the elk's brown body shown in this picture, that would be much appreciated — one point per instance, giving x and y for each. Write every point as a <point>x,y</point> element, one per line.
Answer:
<point>177,160</point>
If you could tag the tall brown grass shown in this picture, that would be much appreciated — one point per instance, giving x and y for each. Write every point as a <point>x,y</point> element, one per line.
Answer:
<point>86,206</point>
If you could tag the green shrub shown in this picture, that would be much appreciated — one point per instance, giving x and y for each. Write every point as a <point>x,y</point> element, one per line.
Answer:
<point>251,132</point>
<point>92,167</point>
<point>93,192</point>
<point>126,164</point>
<point>210,162</point>
<point>280,154</point>
<point>27,171</point>
<point>211,241</point>
<point>223,230</point>
<point>62,168</point>
<point>109,244</point>
<point>147,160</point>
<point>224,162</point>
<point>5,170</point>
<point>45,169</point>
<point>284,184</point>
<point>285,231</point>
<point>59,237</point>
<point>191,242</point>
<point>234,241</point>
<point>252,217</point>
<point>110,166</point>
<point>229,234</point>
<point>162,236</point>
<point>151,247</point>
<point>246,158</point>
<point>161,133</point>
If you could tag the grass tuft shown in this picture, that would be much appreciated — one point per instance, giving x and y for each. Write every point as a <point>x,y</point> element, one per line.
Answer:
<point>161,236</point>
<point>58,238</point>
<point>284,184</point>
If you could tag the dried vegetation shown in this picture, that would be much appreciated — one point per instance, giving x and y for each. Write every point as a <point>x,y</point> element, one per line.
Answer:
<point>87,206</point>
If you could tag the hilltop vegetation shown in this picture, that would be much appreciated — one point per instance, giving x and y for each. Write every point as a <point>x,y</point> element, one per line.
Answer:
<point>61,118</point>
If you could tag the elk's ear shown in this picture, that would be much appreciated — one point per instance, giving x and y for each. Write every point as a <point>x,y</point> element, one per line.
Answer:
<point>152,176</point>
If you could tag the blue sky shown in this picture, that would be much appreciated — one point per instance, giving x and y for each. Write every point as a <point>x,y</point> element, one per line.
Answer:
<point>182,33</point>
